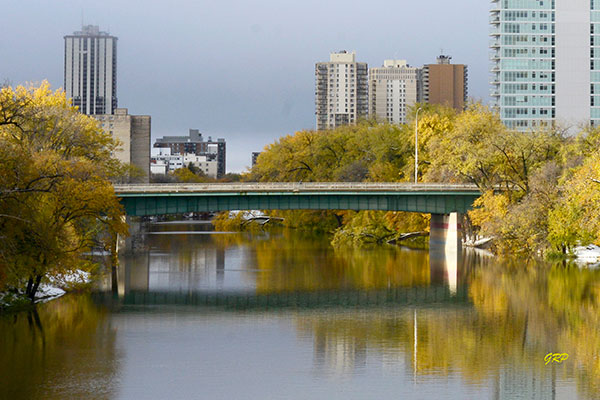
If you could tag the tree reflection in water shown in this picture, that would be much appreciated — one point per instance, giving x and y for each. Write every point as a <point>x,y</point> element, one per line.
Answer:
<point>492,330</point>
<point>518,314</point>
<point>62,349</point>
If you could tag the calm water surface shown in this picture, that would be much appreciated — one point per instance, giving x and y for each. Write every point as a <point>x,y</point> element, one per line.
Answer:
<point>284,316</point>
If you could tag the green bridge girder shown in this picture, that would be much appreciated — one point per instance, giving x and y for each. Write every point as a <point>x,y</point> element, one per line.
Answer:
<point>147,200</point>
<point>349,298</point>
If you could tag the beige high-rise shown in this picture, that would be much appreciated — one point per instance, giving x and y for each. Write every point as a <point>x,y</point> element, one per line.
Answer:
<point>393,89</point>
<point>133,131</point>
<point>341,95</point>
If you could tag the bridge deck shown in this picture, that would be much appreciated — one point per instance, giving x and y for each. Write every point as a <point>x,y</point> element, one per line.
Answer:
<point>141,200</point>
<point>294,187</point>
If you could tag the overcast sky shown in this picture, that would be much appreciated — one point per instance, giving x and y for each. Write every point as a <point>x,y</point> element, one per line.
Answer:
<point>242,70</point>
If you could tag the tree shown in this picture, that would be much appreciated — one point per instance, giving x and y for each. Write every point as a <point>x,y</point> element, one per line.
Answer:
<point>56,195</point>
<point>186,175</point>
<point>578,218</point>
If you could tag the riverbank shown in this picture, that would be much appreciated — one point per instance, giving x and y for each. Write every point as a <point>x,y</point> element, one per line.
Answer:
<point>52,289</point>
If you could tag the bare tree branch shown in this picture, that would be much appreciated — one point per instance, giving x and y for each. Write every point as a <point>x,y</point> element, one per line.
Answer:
<point>13,217</point>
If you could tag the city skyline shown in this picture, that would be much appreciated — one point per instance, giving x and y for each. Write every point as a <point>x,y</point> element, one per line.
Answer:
<point>245,73</point>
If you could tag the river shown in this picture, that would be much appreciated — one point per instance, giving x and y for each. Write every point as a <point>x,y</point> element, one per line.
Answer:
<point>282,315</point>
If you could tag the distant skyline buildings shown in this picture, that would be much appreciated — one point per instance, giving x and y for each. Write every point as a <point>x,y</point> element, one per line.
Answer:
<point>391,89</point>
<point>159,57</point>
<point>194,143</point>
<point>90,81</point>
<point>90,70</point>
<point>341,93</point>
<point>445,83</point>
<point>133,131</point>
<point>546,62</point>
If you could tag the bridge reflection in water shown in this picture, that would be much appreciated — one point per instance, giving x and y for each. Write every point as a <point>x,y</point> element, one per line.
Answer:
<point>145,280</point>
<point>296,300</point>
<point>342,320</point>
<point>426,317</point>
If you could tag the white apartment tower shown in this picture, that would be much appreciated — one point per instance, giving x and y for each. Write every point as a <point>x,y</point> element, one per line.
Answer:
<point>341,95</point>
<point>393,89</point>
<point>91,70</point>
<point>546,62</point>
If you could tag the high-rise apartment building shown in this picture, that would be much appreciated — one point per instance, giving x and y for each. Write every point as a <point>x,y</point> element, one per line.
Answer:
<point>445,83</point>
<point>91,70</point>
<point>546,62</point>
<point>341,95</point>
<point>393,89</point>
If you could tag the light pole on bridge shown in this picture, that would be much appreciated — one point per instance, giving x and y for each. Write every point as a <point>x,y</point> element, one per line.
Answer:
<point>417,144</point>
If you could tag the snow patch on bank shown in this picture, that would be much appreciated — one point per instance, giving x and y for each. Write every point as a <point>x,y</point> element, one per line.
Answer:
<point>46,293</point>
<point>69,279</point>
<point>587,255</point>
<point>58,283</point>
<point>56,287</point>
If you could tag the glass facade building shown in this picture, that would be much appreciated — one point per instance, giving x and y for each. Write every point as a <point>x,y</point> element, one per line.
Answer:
<point>545,63</point>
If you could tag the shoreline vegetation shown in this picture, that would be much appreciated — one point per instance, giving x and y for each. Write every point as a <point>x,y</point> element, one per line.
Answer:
<point>57,201</point>
<point>541,187</point>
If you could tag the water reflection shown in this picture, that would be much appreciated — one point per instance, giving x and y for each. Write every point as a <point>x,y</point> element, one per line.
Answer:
<point>386,322</point>
<point>280,262</point>
<point>64,349</point>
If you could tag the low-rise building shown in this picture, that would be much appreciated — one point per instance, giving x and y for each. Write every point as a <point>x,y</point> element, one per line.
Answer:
<point>163,162</point>
<point>255,155</point>
<point>194,143</point>
<point>208,167</point>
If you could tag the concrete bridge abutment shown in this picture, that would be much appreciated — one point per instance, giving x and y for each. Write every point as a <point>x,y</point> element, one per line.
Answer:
<point>446,232</point>
<point>445,247</point>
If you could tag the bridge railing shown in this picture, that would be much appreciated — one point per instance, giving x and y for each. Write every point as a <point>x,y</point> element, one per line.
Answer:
<point>292,187</point>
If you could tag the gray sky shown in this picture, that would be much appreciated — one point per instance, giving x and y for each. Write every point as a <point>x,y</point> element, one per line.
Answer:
<point>242,70</point>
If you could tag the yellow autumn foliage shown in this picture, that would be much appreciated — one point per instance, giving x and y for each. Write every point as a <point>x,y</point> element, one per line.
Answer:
<point>56,197</point>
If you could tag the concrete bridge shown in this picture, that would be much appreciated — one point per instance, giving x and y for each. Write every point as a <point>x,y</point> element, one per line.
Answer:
<point>444,202</point>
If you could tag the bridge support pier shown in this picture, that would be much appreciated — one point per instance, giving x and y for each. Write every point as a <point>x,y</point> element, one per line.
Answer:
<point>135,241</point>
<point>445,248</point>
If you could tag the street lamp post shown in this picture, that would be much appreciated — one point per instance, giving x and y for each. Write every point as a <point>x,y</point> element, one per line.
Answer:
<point>417,145</point>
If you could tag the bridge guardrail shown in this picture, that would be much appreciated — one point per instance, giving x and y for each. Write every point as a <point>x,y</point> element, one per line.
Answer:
<point>292,187</point>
